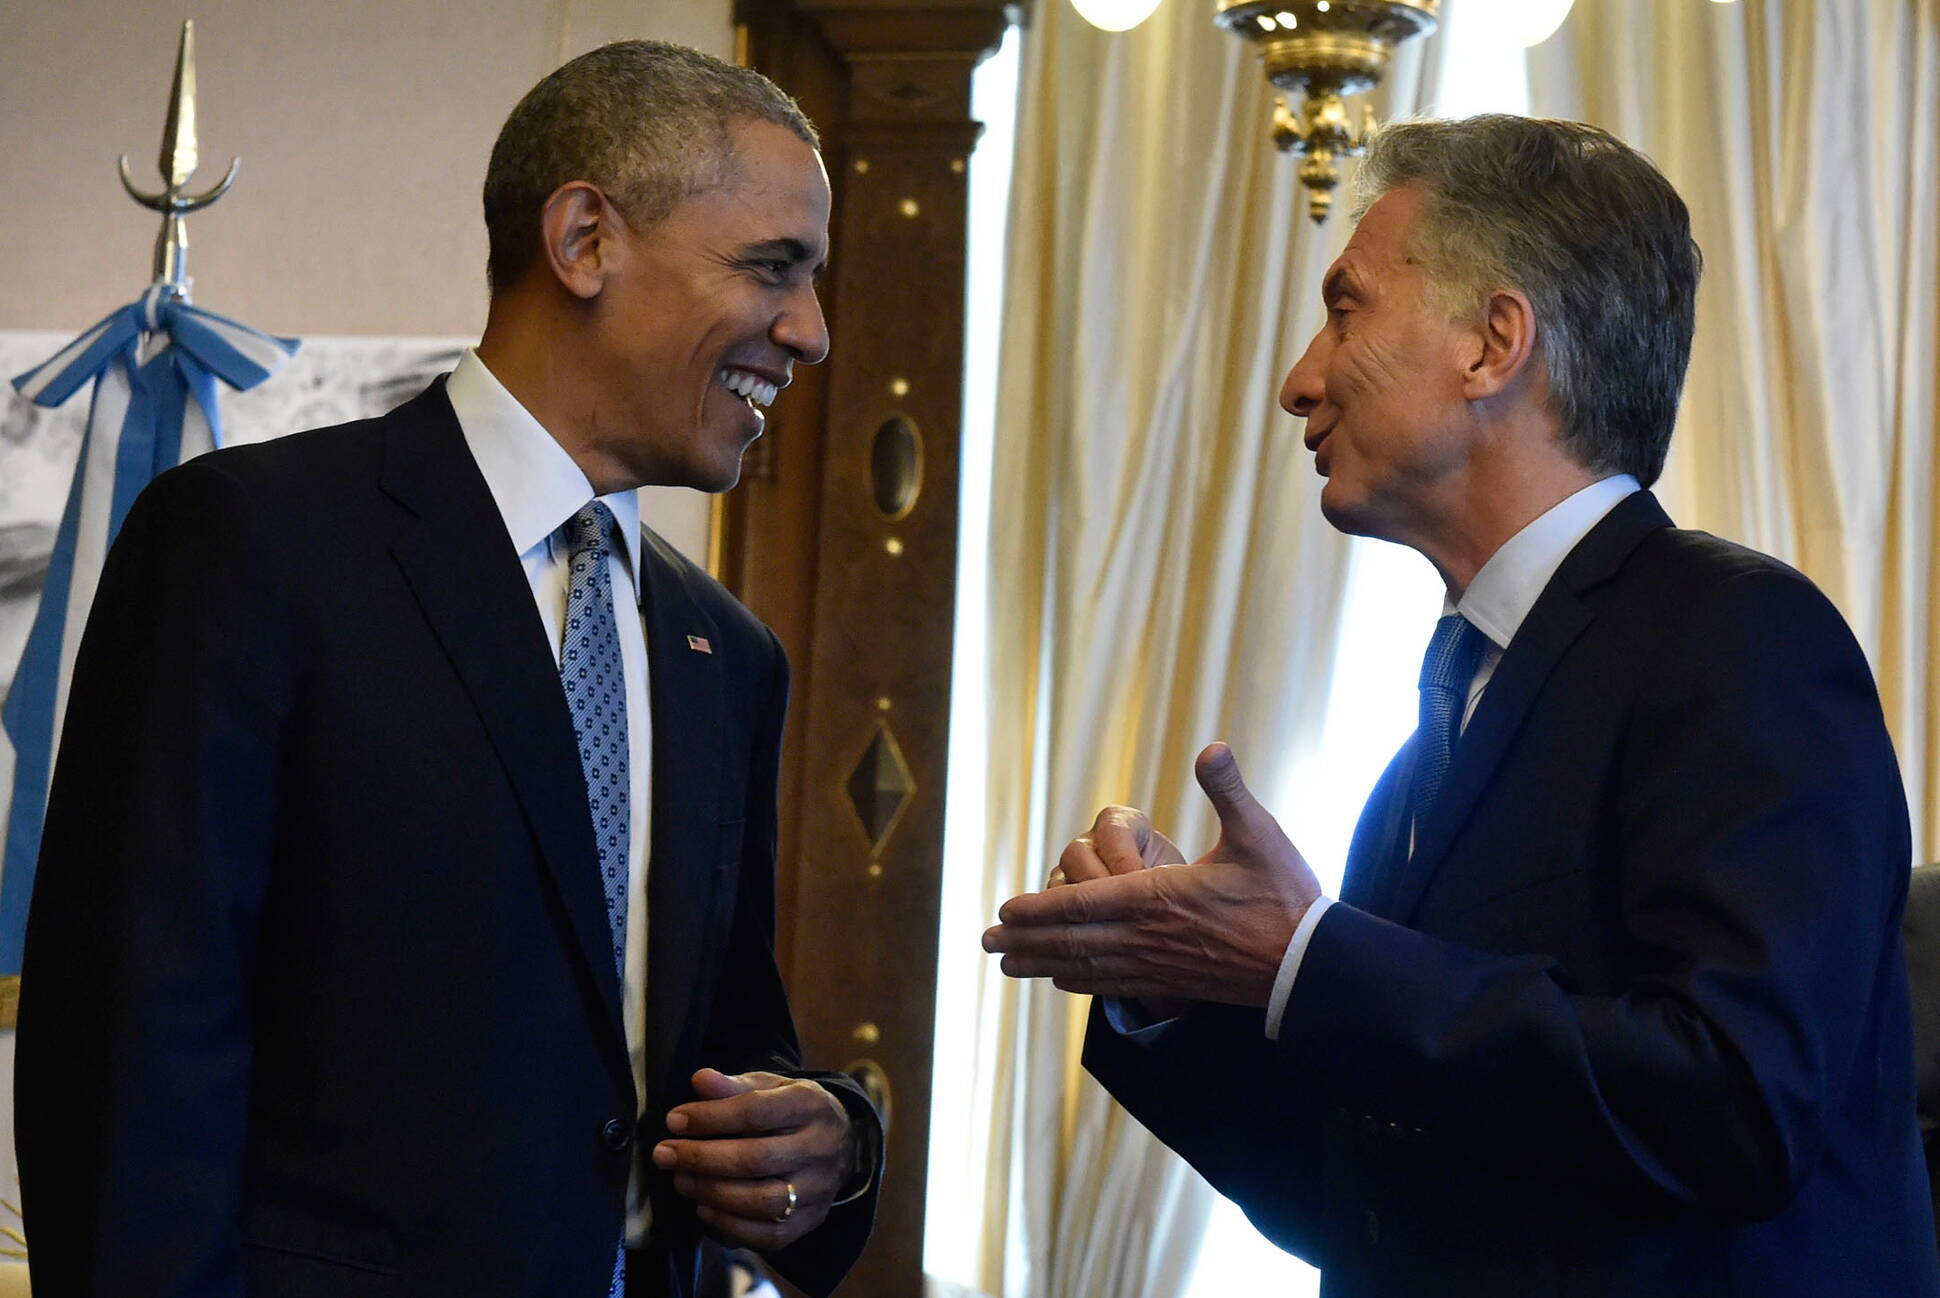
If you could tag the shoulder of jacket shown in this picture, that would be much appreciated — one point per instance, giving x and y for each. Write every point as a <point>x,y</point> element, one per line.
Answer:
<point>729,613</point>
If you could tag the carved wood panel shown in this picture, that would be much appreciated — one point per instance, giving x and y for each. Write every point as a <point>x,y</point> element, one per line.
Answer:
<point>843,537</point>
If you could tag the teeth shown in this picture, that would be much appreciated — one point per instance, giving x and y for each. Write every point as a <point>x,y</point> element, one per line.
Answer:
<point>754,391</point>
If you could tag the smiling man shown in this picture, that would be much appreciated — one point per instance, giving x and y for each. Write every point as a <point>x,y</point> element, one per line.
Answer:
<point>1613,1001</point>
<point>405,918</point>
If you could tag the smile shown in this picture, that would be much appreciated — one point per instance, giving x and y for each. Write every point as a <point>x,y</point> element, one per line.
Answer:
<point>751,388</point>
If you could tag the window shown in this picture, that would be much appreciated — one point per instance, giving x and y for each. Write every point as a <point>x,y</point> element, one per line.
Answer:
<point>1393,599</point>
<point>958,1142</point>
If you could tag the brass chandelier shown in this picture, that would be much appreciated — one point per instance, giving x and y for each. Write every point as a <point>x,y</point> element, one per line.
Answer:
<point>1325,50</point>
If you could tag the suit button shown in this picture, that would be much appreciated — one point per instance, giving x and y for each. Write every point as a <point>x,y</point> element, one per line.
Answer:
<point>615,1136</point>
<point>1373,1227</point>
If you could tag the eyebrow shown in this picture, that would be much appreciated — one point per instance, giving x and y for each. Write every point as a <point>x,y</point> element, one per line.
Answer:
<point>787,249</point>
<point>1338,284</point>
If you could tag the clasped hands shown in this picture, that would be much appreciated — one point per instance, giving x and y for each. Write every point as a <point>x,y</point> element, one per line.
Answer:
<point>748,1140</point>
<point>1124,915</point>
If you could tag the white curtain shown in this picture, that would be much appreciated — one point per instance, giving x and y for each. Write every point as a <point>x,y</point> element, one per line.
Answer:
<point>1161,575</point>
<point>1804,137</point>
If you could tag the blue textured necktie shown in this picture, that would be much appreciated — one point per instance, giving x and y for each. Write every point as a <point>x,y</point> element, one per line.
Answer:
<point>1446,670</point>
<point>591,670</point>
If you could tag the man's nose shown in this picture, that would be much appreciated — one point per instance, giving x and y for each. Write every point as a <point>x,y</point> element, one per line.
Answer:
<point>1304,388</point>
<point>801,328</point>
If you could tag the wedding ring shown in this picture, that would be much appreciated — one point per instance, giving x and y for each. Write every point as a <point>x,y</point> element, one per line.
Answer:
<point>789,1211</point>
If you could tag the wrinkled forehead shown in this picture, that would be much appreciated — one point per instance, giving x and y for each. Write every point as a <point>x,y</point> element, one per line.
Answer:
<point>1385,232</point>
<point>1380,248</point>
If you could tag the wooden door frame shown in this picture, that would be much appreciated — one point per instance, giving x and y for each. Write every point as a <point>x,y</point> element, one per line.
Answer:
<point>859,586</point>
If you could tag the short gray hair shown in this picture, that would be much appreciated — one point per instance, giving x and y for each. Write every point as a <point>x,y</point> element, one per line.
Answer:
<point>646,121</point>
<point>1591,232</point>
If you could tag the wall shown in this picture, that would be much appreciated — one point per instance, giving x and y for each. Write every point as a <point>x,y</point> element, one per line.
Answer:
<point>363,128</point>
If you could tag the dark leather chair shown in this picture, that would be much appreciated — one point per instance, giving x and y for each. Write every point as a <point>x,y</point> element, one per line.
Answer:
<point>1922,930</point>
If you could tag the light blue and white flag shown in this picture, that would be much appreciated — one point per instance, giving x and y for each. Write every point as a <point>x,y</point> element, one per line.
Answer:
<point>154,364</point>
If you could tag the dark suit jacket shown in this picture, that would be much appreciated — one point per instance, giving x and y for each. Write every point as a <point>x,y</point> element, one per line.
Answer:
<point>1921,930</point>
<point>1633,1020</point>
<point>319,996</point>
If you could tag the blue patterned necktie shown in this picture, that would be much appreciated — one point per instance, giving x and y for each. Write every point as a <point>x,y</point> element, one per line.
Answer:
<point>590,668</point>
<point>1446,670</point>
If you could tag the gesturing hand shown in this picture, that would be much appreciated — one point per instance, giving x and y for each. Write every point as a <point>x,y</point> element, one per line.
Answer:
<point>1121,841</point>
<point>1214,930</point>
<point>745,1143</point>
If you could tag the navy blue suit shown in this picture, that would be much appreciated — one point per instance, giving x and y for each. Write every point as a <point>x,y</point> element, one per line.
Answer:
<point>319,996</point>
<point>1632,1020</point>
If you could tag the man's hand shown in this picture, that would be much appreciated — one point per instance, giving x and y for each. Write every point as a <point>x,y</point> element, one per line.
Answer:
<point>1214,930</point>
<point>1121,841</point>
<point>745,1143</point>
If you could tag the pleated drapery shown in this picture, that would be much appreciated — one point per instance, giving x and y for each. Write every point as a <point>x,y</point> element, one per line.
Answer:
<point>1161,575</point>
<point>1805,136</point>
<point>1160,572</point>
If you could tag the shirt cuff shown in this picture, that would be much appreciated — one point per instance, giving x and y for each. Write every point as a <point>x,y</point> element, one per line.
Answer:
<point>1303,932</point>
<point>867,1155</point>
<point>1129,1019</point>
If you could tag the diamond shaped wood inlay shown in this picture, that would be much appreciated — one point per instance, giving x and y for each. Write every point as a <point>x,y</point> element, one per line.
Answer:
<point>880,786</point>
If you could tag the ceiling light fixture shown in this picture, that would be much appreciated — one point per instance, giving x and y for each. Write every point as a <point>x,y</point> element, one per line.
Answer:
<point>1324,50</point>
<point>1115,15</point>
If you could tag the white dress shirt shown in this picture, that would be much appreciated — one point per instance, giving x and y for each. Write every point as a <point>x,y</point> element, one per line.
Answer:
<point>1495,603</point>
<point>538,489</point>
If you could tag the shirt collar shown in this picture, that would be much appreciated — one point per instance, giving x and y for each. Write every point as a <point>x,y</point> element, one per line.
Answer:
<point>1506,589</point>
<point>534,483</point>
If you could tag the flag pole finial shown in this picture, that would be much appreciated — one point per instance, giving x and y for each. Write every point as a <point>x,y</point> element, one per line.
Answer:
<point>178,163</point>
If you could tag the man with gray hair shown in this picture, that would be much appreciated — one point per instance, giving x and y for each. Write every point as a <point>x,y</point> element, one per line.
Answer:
<point>405,918</point>
<point>1613,1000</point>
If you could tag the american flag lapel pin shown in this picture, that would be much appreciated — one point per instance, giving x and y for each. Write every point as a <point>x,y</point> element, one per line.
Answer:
<point>698,643</point>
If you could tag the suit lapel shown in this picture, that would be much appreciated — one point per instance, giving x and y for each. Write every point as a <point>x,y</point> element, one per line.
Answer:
<point>460,564</point>
<point>1557,618</point>
<point>690,725</point>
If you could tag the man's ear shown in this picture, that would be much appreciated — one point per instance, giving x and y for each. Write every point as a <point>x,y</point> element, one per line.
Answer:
<point>577,231</point>
<point>1505,340</point>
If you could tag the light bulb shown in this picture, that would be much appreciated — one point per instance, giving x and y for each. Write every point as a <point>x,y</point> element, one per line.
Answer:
<point>1531,22</point>
<point>1115,15</point>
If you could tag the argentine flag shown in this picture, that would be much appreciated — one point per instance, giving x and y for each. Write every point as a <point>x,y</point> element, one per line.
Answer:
<point>154,364</point>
